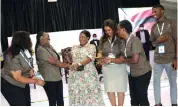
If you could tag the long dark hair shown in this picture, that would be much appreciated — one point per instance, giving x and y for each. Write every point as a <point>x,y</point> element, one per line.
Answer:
<point>112,24</point>
<point>38,36</point>
<point>20,41</point>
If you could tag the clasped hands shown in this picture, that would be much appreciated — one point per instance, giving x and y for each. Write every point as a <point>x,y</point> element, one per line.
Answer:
<point>105,60</point>
<point>162,38</point>
<point>108,60</point>
<point>37,81</point>
<point>74,66</point>
<point>52,60</point>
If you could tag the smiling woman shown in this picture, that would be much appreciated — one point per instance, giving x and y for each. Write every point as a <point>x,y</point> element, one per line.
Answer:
<point>114,70</point>
<point>84,86</point>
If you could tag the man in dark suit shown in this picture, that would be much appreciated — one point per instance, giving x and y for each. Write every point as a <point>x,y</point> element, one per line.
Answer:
<point>144,36</point>
<point>95,41</point>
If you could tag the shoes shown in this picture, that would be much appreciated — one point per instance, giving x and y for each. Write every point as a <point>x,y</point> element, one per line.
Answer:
<point>174,105</point>
<point>162,105</point>
<point>158,104</point>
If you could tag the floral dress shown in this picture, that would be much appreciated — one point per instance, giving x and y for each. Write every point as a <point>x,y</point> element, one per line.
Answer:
<point>84,86</point>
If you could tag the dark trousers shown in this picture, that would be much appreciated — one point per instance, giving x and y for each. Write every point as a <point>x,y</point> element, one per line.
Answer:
<point>139,88</point>
<point>54,91</point>
<point>146,47</point>
<point>16,96</point>
<point>99,69</point>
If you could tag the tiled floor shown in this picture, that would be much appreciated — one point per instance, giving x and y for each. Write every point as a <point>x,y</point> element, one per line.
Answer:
<point>39,97</point>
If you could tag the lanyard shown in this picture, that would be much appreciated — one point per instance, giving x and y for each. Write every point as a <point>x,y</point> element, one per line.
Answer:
<point>23,55</point>
<point>126,45</point>
<point>112,43</point>
<point>160,32</point>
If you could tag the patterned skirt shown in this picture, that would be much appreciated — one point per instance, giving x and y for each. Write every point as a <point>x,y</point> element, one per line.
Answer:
<point>85,89</point>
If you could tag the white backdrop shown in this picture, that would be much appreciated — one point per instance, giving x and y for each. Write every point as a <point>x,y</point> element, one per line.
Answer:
<point>62,39</point>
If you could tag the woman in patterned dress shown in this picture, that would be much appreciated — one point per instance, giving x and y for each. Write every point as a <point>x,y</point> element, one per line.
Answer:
<point>84,86</point>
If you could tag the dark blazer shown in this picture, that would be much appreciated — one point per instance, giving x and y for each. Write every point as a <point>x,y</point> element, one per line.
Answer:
<point>147,45</point>
<point>147,35</point>
<point>96,45</point>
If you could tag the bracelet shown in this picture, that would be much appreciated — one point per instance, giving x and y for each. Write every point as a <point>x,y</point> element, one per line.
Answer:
<point>79,64</point>
<point>32,76</point>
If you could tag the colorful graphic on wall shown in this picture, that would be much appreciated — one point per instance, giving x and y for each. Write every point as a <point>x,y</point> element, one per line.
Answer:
<point>137,16</point>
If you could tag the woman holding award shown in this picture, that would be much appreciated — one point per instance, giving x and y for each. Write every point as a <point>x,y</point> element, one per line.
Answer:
<point>111,49</point>
<point>84,86</point>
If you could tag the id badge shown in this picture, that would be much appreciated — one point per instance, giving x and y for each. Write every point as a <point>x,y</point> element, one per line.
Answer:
<point>38,75</point>
<point>111,55</point>
<point>128,69</point>
<point>161,49</point>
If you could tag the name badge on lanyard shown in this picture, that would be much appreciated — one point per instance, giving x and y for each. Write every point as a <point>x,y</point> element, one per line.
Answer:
<point>127,66</point>
<point>112,55</point>
<point>161,47</point>
<point>26,55</point>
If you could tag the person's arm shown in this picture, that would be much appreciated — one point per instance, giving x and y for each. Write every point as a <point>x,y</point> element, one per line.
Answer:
<point>16,71</point>
<point>90,57</point>
<point>18,77</point>
<point>62,64</point>
<point>162,38</point>
<point>118,60</point>
<point>136,50</point>
<point>134,59</point>
<point>42,54</point>
<point>121,58</point>
<point>174,31</point>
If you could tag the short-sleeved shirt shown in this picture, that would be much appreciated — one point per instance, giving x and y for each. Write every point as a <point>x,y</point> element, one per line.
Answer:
<point>134,45</point>
<point>14,64</point>
<point>170,30</point>
<point>49,71</point>
<point>117,48</point>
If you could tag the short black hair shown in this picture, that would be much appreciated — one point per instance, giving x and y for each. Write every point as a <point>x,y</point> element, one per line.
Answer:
<point>87,33</point>
<point>127,25</point>
<point>141,25</point>
<point>159,6</point>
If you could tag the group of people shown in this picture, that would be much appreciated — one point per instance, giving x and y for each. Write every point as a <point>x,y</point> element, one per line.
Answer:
<point>120,54</point>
